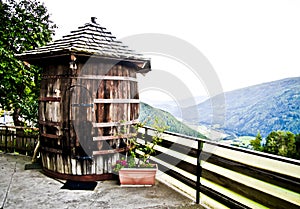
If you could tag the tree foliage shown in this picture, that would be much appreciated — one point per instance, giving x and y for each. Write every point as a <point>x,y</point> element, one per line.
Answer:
<point>283,143</point>
<point>256,143</point>
<point>280,143</point>
<point>24,25</point>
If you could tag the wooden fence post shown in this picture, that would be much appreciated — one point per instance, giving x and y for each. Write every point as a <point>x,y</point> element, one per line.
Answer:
<point>199,171</point>
<point>6,135</point>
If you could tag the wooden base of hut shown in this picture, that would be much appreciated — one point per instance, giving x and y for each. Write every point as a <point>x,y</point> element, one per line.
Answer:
<point>81,169</point>
<point>84,178</point>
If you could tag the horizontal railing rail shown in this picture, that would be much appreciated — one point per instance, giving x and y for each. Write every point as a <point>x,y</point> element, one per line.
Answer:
<point>17,139</point>
<point>220,175</point>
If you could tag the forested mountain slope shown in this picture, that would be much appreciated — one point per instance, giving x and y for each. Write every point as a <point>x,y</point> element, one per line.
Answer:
<point>264,107</point>
<point>149,113</point>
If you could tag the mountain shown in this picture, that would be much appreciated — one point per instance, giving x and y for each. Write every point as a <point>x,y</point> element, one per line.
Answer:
<point>264,107</point>
<point>149,113</point>
<point>172,106</point>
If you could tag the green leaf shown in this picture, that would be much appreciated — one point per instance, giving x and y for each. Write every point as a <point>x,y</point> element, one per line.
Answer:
<point>24,25</point>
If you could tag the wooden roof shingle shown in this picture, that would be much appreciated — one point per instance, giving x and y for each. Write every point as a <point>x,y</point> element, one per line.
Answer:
<point>90,39</point>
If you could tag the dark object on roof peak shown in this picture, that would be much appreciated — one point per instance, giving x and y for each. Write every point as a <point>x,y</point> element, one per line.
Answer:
<point>93,20</point>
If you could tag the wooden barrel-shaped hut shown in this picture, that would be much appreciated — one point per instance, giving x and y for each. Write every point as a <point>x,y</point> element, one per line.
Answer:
<point>88,102</point>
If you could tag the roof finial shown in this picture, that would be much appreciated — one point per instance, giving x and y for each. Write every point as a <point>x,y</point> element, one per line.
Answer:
<point>93,19</point>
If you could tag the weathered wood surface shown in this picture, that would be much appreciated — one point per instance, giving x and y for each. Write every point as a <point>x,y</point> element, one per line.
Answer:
<point>86,112</point>
<point>18,139</point>
<point>88,78</point>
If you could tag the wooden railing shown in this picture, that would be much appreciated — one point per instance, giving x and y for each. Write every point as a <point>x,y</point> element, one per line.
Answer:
<point>220,176</point>
<point>18,139</point>
<point>213,174</point>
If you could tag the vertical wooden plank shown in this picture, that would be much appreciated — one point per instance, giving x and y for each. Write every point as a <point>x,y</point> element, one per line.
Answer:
<point>55,163</point>
<point>73,166</point>
<point>105,166</point>
<point>100,164</point>
<point>109,163</point>
<point>58,163</point>
<point>43,159</point>
<point>48,161</point>
<point>94,166</point>
<point>78,168</point>
<point>68,165</point>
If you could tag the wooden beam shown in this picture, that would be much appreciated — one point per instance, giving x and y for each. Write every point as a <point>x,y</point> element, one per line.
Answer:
<point>116,101</point>
<point>271,177</point>
<point>49,99</point>
<point>261,197</point>
<point>111,124</point>
<point>49,123</point>
<point>110,151</point>
<point>51,136</point>
<point>52,150</point>
<point>106,77</point>
<point>103,138</point>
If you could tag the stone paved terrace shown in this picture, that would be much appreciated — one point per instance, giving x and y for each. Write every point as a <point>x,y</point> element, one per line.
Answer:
<point>20,188</point>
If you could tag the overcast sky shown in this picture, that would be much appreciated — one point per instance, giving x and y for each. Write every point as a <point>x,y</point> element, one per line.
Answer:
<point>247,42</point>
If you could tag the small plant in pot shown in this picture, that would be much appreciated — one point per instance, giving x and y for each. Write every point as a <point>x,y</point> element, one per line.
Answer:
<point>135,167</point>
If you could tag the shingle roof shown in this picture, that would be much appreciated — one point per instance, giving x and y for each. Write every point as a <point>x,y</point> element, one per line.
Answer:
<point>90,39</point>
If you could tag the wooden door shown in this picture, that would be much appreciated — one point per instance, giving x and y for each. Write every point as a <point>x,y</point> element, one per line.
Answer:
<point>81,121</point>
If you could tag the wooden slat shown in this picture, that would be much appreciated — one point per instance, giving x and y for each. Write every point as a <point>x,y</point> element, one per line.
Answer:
<point>82,105</point>
<point>178,155</point>
<point>49,99</point>
<point>174,146</point>
<point>49,123</point>
<point>55,76</point>
<point>181,164</point>
<point>11,128</point>
<point>52,150</point>
<point>106,77</point>
<point>190,142</point>
<point>51,136</point>
<point>221,198</point>
<point>116,101</point>
<point>111,124</point>
<point>278,164</point>
<point>248,192</point>
<point>111,151</point>
<point>103,138</point>
<point>274,178</point>
<point>176,175</point>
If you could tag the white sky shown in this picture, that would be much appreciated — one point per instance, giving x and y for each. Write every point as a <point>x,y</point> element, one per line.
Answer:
<point>247,42</point>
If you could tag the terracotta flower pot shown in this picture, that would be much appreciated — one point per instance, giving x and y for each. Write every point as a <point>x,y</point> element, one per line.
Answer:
<point>137,176</point>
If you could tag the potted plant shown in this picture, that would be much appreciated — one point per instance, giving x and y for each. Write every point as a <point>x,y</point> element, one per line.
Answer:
<point>135,167</point>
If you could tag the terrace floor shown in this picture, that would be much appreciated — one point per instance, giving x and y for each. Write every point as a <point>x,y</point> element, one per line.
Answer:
<point>20,188</point>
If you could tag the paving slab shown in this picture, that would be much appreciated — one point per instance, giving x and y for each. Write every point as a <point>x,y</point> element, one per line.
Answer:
<point>20,188</point>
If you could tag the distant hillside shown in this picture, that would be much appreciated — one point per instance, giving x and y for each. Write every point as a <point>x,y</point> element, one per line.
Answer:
<point>149,113</point>
<point>264,107</point>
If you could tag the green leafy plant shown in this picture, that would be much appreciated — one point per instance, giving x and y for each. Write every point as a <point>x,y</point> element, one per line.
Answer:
<point>139,154</point>
<point>122,163</point>
<point>25,25</point>
<point>256,143</point>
